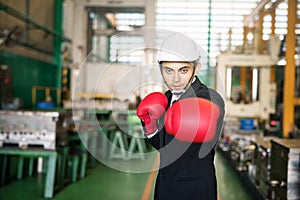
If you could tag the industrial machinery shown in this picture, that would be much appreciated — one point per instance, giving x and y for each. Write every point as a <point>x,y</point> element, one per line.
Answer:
<point>262,163</point>
<point>255,98</point>
<point>285,168</point>
<point>33,128</point>
<point>241,152</point>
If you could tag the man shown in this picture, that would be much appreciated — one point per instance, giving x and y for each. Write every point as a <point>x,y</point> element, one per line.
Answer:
<point>184,124</point>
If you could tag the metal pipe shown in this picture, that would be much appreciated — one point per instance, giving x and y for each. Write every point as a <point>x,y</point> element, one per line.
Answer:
<point>26,34</point>
<point>289,71</point>
<point>21,16</point>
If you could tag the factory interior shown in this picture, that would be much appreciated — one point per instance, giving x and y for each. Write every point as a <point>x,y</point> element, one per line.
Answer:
<point>73,72</point>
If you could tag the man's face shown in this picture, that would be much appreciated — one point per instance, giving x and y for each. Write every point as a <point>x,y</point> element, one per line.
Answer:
<point>178,75</point>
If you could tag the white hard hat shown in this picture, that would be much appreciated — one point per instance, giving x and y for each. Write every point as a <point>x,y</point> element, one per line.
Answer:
<point>178,47</point>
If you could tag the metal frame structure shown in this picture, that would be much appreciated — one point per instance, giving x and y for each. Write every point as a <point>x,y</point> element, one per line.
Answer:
<point>289,100</point>
<point>254,23</point>
<point>257,109</point>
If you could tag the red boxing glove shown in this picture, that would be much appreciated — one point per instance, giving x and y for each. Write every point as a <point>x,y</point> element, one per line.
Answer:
<point>150,109</point>
<point>193,120</point>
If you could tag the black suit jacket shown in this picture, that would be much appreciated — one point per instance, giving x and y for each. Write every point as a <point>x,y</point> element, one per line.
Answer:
<point>187,169</point>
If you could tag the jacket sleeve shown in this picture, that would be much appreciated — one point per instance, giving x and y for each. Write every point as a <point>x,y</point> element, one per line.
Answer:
<point>217,99</point>
<point>157,141</point>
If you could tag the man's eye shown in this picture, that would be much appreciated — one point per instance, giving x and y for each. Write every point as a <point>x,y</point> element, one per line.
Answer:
<point>184,71</point>
<point>168,71</point>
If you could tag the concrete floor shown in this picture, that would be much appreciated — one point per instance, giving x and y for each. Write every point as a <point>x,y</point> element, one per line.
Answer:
<point>103,182</point>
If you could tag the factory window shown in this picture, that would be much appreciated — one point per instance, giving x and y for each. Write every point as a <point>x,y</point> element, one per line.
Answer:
<point>126,48</point>
<point>207,22</point>
<point>108,40</point>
